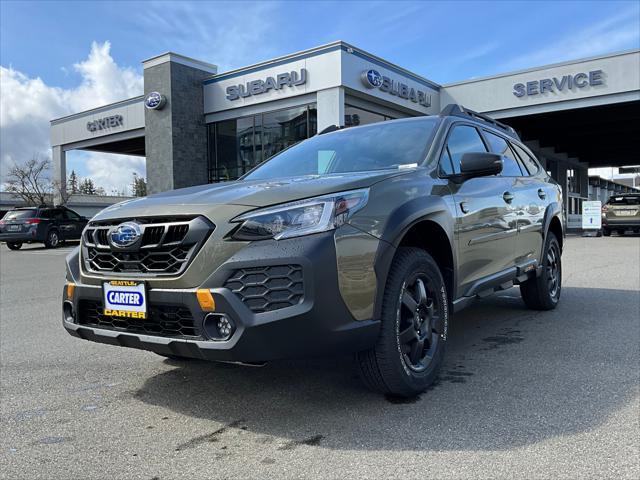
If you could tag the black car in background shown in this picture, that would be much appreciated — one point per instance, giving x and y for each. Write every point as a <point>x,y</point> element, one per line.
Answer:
<point>48,225</point>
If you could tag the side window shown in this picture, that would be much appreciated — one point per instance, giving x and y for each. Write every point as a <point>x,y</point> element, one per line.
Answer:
<point>446,168</point>
<point>69,215</point>
<point>529,162</point>
<point>55,214</point>
<point>463,139</point>
<point>499,145</point>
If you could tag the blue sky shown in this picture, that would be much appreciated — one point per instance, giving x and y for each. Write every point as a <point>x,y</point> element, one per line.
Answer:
<point>443,41</point>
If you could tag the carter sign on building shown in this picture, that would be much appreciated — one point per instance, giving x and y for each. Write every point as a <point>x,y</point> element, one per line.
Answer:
<point>105,123</point>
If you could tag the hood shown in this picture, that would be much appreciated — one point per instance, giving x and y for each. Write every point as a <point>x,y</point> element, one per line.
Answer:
<point>247,194</point>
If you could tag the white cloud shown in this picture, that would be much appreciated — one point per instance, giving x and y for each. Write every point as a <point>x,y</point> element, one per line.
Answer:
<point>28,104</point>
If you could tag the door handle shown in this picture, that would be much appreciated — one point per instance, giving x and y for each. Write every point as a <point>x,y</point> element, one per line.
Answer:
<point>542,194</point>
<point>507,197</point>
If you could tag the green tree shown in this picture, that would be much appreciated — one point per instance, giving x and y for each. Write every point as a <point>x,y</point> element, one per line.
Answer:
<point>138,186</point>
<point>87,187</point>
<point>72,183</point>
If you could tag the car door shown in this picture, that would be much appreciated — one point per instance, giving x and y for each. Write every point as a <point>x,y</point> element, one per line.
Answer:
<point>525,200</point>
<point>54,220</point>
<point>535,194</point>
<point>72,224</point>
<point>485,218</point>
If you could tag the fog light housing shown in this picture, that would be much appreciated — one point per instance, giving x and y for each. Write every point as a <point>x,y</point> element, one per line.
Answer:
<point>67,312</point>
<point>219,326</point>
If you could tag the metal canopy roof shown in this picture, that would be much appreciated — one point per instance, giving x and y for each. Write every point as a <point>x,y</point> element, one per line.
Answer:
<point>603,136</point>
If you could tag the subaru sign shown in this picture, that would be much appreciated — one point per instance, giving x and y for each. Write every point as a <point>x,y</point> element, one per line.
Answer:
<point>154,101</point>
<point>125,235</point>
<point>374,79</point>
<point>258,87</point>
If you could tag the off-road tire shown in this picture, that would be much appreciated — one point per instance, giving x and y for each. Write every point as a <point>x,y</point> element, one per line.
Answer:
<point>541,292</point>
<point>384,368</point>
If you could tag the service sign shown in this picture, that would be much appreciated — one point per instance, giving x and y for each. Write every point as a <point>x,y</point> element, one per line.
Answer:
<point>125,298</point>
<point>592,215</point>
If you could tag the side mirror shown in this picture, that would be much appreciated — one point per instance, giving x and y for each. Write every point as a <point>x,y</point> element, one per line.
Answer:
<point>479,164</point>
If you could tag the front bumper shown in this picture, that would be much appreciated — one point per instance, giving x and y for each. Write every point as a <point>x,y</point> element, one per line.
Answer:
<point>320,324</point>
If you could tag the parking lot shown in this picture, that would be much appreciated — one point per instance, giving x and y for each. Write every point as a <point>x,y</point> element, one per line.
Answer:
<point>522,394</point>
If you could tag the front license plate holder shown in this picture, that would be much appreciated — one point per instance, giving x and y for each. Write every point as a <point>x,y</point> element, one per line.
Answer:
<point>125,298</point>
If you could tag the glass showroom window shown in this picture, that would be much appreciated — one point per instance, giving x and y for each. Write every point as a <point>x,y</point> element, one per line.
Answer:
<point>354,116</point>
<point>238,145</point>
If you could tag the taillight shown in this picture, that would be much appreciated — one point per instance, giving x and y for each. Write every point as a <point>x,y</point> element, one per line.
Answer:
<point>605,208</point>
<point>32,221</point>
<point>1,223</point>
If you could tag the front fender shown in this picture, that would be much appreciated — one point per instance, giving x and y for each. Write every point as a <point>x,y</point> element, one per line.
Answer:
<point>393,214</point>
<point>553,210</point>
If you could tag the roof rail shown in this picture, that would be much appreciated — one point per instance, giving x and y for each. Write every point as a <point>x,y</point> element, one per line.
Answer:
<point>456,110</point>
<point>330,128</point>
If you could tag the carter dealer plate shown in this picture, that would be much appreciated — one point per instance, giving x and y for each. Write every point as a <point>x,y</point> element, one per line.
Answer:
<point>125,298</point>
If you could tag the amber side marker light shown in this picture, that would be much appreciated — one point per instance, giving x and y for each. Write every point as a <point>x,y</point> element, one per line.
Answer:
<point>71,287</point>
<point>205,299</point>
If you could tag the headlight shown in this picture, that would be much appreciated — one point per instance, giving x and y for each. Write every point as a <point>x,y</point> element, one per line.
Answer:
<point>304,217</point>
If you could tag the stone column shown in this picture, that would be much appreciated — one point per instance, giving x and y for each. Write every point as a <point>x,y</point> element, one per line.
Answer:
<point>176,135</point>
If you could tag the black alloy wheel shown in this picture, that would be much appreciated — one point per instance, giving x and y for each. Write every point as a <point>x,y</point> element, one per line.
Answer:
<point>419,322</point>
<point>413,330</point>
<point>542,291</point>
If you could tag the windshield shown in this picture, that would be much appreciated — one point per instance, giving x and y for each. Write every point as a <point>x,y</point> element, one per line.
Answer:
<point>379,146</point>
<point>19,214</point>
<point>625,200</point>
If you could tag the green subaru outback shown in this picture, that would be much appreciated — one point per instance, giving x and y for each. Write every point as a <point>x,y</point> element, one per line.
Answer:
<point>361,240</point>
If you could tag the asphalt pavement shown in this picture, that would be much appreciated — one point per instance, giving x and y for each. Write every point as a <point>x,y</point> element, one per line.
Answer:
<point>523,394</point>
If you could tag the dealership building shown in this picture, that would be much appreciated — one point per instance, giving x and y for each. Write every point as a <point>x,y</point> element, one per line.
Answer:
<point>196,125</point>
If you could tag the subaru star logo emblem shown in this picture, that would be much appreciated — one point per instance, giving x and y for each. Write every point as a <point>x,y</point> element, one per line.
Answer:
<point>125,235</point>
<point>154,101</point>
<point>372,78</point>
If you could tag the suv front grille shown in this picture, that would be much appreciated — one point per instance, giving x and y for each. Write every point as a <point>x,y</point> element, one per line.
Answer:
<point>264,289</point>
<point>166,246</point>
<point>174,321</point>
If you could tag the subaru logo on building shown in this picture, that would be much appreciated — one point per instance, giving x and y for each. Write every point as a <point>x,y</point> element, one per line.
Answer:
<point>125,235</point>
<point>154,101</point>
<point>372,79</point>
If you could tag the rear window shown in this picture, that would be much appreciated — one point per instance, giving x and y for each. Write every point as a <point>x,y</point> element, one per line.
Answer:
<point>530,164</point>
<point>19,214</point>
<point>625,200</point>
